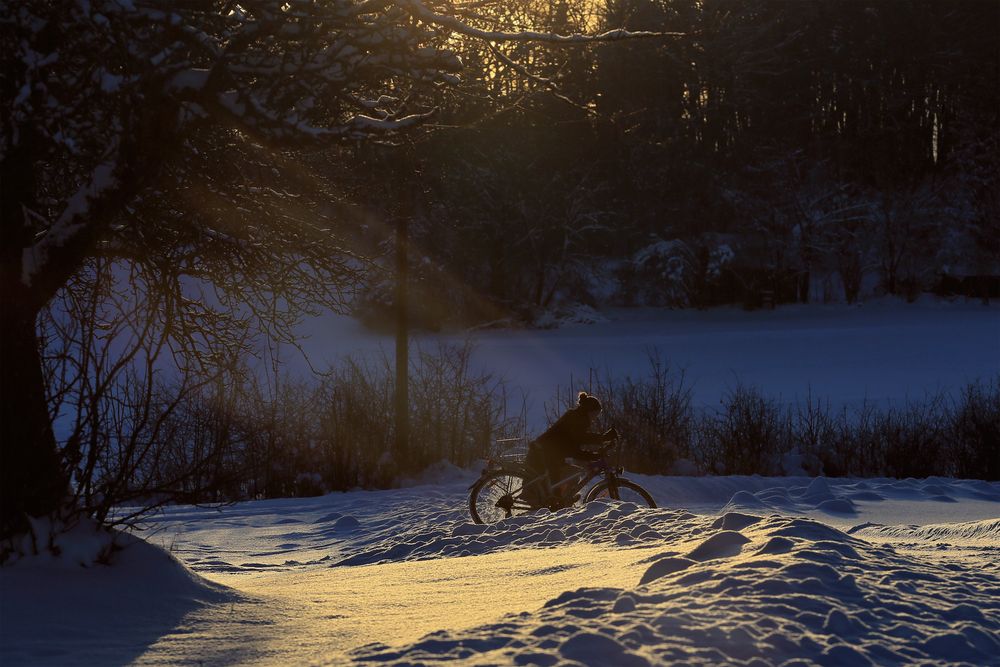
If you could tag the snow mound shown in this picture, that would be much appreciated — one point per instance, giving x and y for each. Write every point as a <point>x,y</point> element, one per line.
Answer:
<point>841,497</point>
<point>596,648</point>
<point>713,585</point>
<point>976,532</point>
<point>346,523</point>
<point>734,521</point>
<point>726,544</point>
<point>665,566</point>
<point>442,472</point>
<point>746,499</point>
<point>777,589</point>
<point>448,534</point>
<point>116,610</point>
<point>432,521</point>
<point>837,506</point>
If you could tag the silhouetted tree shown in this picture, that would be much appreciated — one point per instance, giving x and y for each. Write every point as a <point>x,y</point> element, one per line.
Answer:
<point>162,134</point>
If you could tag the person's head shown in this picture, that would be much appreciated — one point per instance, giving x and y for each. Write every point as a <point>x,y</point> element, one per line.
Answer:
<point>589,405</point>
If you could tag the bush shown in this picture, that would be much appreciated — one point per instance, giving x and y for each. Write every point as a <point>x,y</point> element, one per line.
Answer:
<point>752,434</point>
<point>653,411</point>
<point>659,274</point>
<point>747,436</point>
<point>912,440</point>
<point>285,437</point>
<point>974,431</point>
<point>298,438</point>
<point>854,444</point>
<point>235,436</point>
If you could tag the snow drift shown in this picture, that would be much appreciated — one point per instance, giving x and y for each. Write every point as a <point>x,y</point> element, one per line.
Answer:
<point>731,570</point>
<point>745,589</point>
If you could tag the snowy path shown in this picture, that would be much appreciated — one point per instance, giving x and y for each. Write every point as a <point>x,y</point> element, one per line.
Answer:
<point>310,615</point>
<point>761,571</point>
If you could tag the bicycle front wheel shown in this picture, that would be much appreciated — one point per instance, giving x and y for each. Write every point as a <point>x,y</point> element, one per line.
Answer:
<point>498,496</point>
<point>623,490</point>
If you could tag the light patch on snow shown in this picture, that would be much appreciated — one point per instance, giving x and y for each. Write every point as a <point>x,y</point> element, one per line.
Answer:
<point>984,533</point>
<point>310,614</point>
<point>730,569</point>
<point>720,257</point>
<point>110,83</point>
<point>189,79</point>
<point>362,123</point>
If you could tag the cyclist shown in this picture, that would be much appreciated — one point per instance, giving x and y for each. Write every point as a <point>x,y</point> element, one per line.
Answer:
<point>564,439</point>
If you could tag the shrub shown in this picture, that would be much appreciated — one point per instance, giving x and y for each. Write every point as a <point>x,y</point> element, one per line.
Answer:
<point>291,437</point>
<point>853,447</point>
<point>653,411</point>
<point>912,440</point>
<point>974,431</point>
<point>746,436</point>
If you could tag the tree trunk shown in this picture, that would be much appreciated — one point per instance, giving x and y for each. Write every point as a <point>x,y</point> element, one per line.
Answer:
<point>402,395</point>
<point>804,280</point>
<point>32,482</point>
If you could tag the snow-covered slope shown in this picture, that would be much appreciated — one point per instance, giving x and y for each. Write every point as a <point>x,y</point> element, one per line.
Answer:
<point>56,611</point>
<point>730,570</point>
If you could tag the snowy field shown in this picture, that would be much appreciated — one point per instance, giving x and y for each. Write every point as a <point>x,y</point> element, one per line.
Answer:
<point>880,351</point>
<point>730,570</point>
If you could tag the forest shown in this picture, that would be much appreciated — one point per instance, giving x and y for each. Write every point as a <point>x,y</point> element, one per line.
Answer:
<point>777,152</point>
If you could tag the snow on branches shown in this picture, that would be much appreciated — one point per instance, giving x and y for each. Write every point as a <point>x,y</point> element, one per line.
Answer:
<point>99,94</point>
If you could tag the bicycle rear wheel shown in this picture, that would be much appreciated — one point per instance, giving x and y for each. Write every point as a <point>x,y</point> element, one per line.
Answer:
<point>623,490</point>
<point>498,496</point>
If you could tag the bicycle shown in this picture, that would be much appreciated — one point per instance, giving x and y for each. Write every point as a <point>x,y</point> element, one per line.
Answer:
<point>499,491</point>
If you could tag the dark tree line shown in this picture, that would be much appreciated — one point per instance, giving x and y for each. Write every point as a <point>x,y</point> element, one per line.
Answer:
<point>812,150</point>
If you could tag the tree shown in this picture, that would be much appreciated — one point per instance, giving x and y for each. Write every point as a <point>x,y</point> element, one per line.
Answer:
<point>168,135</point>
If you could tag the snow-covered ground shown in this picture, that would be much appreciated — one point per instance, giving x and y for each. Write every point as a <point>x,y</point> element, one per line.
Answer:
<point>729,570</point>
<point>878,351</point>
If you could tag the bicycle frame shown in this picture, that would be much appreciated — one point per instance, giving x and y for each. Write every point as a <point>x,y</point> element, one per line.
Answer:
<point>583,477</point>
<point>509,487</point>
<point>593,469</point>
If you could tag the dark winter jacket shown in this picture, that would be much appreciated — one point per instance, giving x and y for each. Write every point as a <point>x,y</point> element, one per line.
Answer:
<point>564,438</point>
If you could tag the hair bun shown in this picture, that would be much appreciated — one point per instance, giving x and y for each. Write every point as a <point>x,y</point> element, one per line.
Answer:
<point>588,402</point>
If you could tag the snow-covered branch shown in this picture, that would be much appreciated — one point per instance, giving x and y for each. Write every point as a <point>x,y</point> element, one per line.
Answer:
<point>73,221</point>
<point>145,76</point>
<point>424,13</point>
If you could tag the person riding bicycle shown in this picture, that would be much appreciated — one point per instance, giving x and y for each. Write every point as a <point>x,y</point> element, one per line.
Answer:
<point>564,439</point>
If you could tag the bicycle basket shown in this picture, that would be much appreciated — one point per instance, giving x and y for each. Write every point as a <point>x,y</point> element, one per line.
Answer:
<point>509,451</point>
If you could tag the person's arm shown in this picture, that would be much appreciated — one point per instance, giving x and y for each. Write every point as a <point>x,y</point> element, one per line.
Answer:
<point>589,438</point>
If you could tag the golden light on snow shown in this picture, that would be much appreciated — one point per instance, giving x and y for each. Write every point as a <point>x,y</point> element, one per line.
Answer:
<point>292,616</point>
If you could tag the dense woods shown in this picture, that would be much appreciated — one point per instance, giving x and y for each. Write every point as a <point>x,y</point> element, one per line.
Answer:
<point>810,151</point>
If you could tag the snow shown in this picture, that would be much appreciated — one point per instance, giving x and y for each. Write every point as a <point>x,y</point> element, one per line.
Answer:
<point>882,351</point>
<point>70,222</point>
<point>189,79</point>
<point>53,611</point>
<point>420,10</point>
<point>728,570</point>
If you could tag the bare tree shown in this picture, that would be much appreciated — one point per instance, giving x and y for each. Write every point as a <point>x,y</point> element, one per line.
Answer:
<point>163,133</point>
